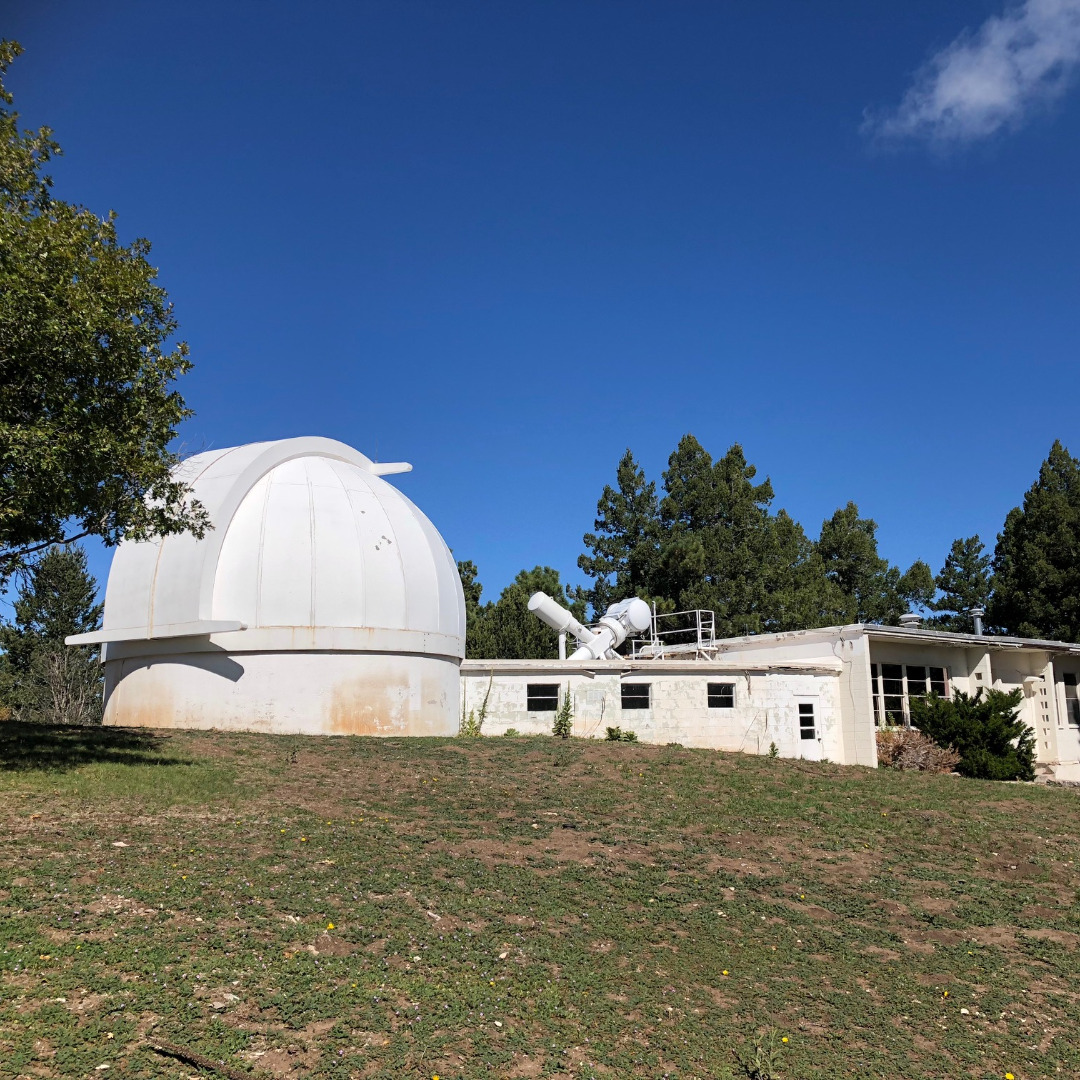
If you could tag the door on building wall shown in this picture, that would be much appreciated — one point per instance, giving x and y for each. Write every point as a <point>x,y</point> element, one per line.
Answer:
<point>1068,732</point>
<point>809,732</point>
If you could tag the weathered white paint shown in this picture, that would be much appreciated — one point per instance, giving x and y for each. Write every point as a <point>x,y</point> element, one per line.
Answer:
<point>765,713</point>
<point>321,600</point>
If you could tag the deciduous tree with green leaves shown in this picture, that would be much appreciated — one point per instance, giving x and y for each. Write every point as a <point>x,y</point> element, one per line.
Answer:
<point>42,679</point>
<point>1036,568</point>
<point>87,403</point>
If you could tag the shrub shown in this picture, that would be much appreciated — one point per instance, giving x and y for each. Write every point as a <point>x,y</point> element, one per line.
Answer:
<point>563,726</point>
<point>905,748</point>
<point>985,729</point>
<point>512,732</point>
<point>616,734</point>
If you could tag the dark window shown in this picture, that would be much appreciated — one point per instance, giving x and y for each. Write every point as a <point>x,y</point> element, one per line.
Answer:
<point>542,697</point>
<point>937,682</point>
<point>806,720</point>
<point>721,695</point>
<point>916,681</point>
<point>892,689</point>
<point>635,695</point>
<point>1072,700</point>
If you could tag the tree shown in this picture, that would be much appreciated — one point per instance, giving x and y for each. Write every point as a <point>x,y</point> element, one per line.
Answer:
<point>987,732</point>
<point>624,547</point>
<point>723,550</point>
<point>515,632</point>
<point>506,629</point>
<point>42,679</point>
<point>478,642</point>
<point>871,589</point>
<point>1036,567</point>
<point>87,408</point>
<point>964,582</point>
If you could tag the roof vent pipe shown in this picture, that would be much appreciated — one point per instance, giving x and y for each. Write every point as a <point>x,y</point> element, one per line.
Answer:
<point>977,614</point>
<point>911,620</point>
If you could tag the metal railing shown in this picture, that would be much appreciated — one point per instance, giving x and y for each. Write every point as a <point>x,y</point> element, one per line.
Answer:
<point>677,633</point>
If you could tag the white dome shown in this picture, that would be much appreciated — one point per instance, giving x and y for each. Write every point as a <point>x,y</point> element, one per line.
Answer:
<point>306,537</point>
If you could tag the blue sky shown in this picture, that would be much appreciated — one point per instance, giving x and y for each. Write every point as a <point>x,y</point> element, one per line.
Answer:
<point>505,241</point>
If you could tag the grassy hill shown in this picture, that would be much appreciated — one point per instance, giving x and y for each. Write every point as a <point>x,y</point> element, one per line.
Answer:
<point>523,907</point>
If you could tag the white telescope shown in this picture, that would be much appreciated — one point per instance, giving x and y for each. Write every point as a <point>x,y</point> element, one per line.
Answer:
<point>620,621</point>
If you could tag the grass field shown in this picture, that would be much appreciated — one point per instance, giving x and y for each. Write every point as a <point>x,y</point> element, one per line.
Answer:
<point>521,907</point>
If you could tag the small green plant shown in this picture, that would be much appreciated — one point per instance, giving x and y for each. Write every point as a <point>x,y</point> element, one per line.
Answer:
<point>774,751</point>
<point>563,727</point>
<point>616,734</point>
<point>472,725</point>
<point>511,731</point>
<point>761,1063</point>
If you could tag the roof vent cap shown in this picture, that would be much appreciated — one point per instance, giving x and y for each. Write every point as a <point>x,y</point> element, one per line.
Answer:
<point>911,620</point>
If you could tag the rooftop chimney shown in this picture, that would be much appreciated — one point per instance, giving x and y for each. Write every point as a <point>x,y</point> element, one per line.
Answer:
<point>977,614</point>
<point>911,620</point>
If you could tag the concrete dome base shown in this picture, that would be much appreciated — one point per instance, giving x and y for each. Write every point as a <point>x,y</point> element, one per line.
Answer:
<point>310,693</point>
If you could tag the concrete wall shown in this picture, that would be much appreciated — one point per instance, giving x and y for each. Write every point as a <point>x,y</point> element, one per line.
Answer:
<point>311,693</point>
<point>765,712</point>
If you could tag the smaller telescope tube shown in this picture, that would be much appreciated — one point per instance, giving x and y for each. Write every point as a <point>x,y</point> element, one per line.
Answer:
<point>557,617</point>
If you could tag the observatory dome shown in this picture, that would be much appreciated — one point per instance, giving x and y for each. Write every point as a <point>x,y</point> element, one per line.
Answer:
<point>321,600</point>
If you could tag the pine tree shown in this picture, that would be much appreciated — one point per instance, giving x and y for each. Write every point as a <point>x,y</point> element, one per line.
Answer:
<point>506,629</point>
<point>871,589</point>
<point>624,547</point>
<point>1036,567</point>
<point>42,679</point>
<point>964,582</point>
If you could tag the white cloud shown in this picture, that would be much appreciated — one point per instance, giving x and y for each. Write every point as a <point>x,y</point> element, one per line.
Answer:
<point>990,79</point>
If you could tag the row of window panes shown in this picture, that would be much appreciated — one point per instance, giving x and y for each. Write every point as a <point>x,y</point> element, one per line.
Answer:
<point>544,697</point>
<point>894,686</point>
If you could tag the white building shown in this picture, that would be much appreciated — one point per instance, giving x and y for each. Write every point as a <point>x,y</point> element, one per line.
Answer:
<point>811,693</point>
<point>321,601</point>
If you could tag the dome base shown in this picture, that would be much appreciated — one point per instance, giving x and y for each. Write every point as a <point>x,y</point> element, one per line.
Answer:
<point>309,693</point>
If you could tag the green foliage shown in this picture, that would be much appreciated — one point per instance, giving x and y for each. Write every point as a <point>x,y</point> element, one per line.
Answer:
<point>471,725</point>
<point>870,589</point>
<point>87,407</point>
<point>506,629</point>
<point>964,582</point>
<point>617,734</point>
<point>1037,559</point>
<point>625,547</point>
<point>511,732</point>
<point>563,725</point>
<point>774,750</point>
<point>984,728</point>
<point>42,679</point>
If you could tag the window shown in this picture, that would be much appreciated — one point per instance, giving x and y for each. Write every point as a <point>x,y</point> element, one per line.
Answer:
<point>721,695</point>
<point>1072,699</point>
<point>542,697</point>
<point>892,692</point>
<point>635,695</point>
<point>894,685</point>
<point>806,720</point>
<point>937,682</point>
